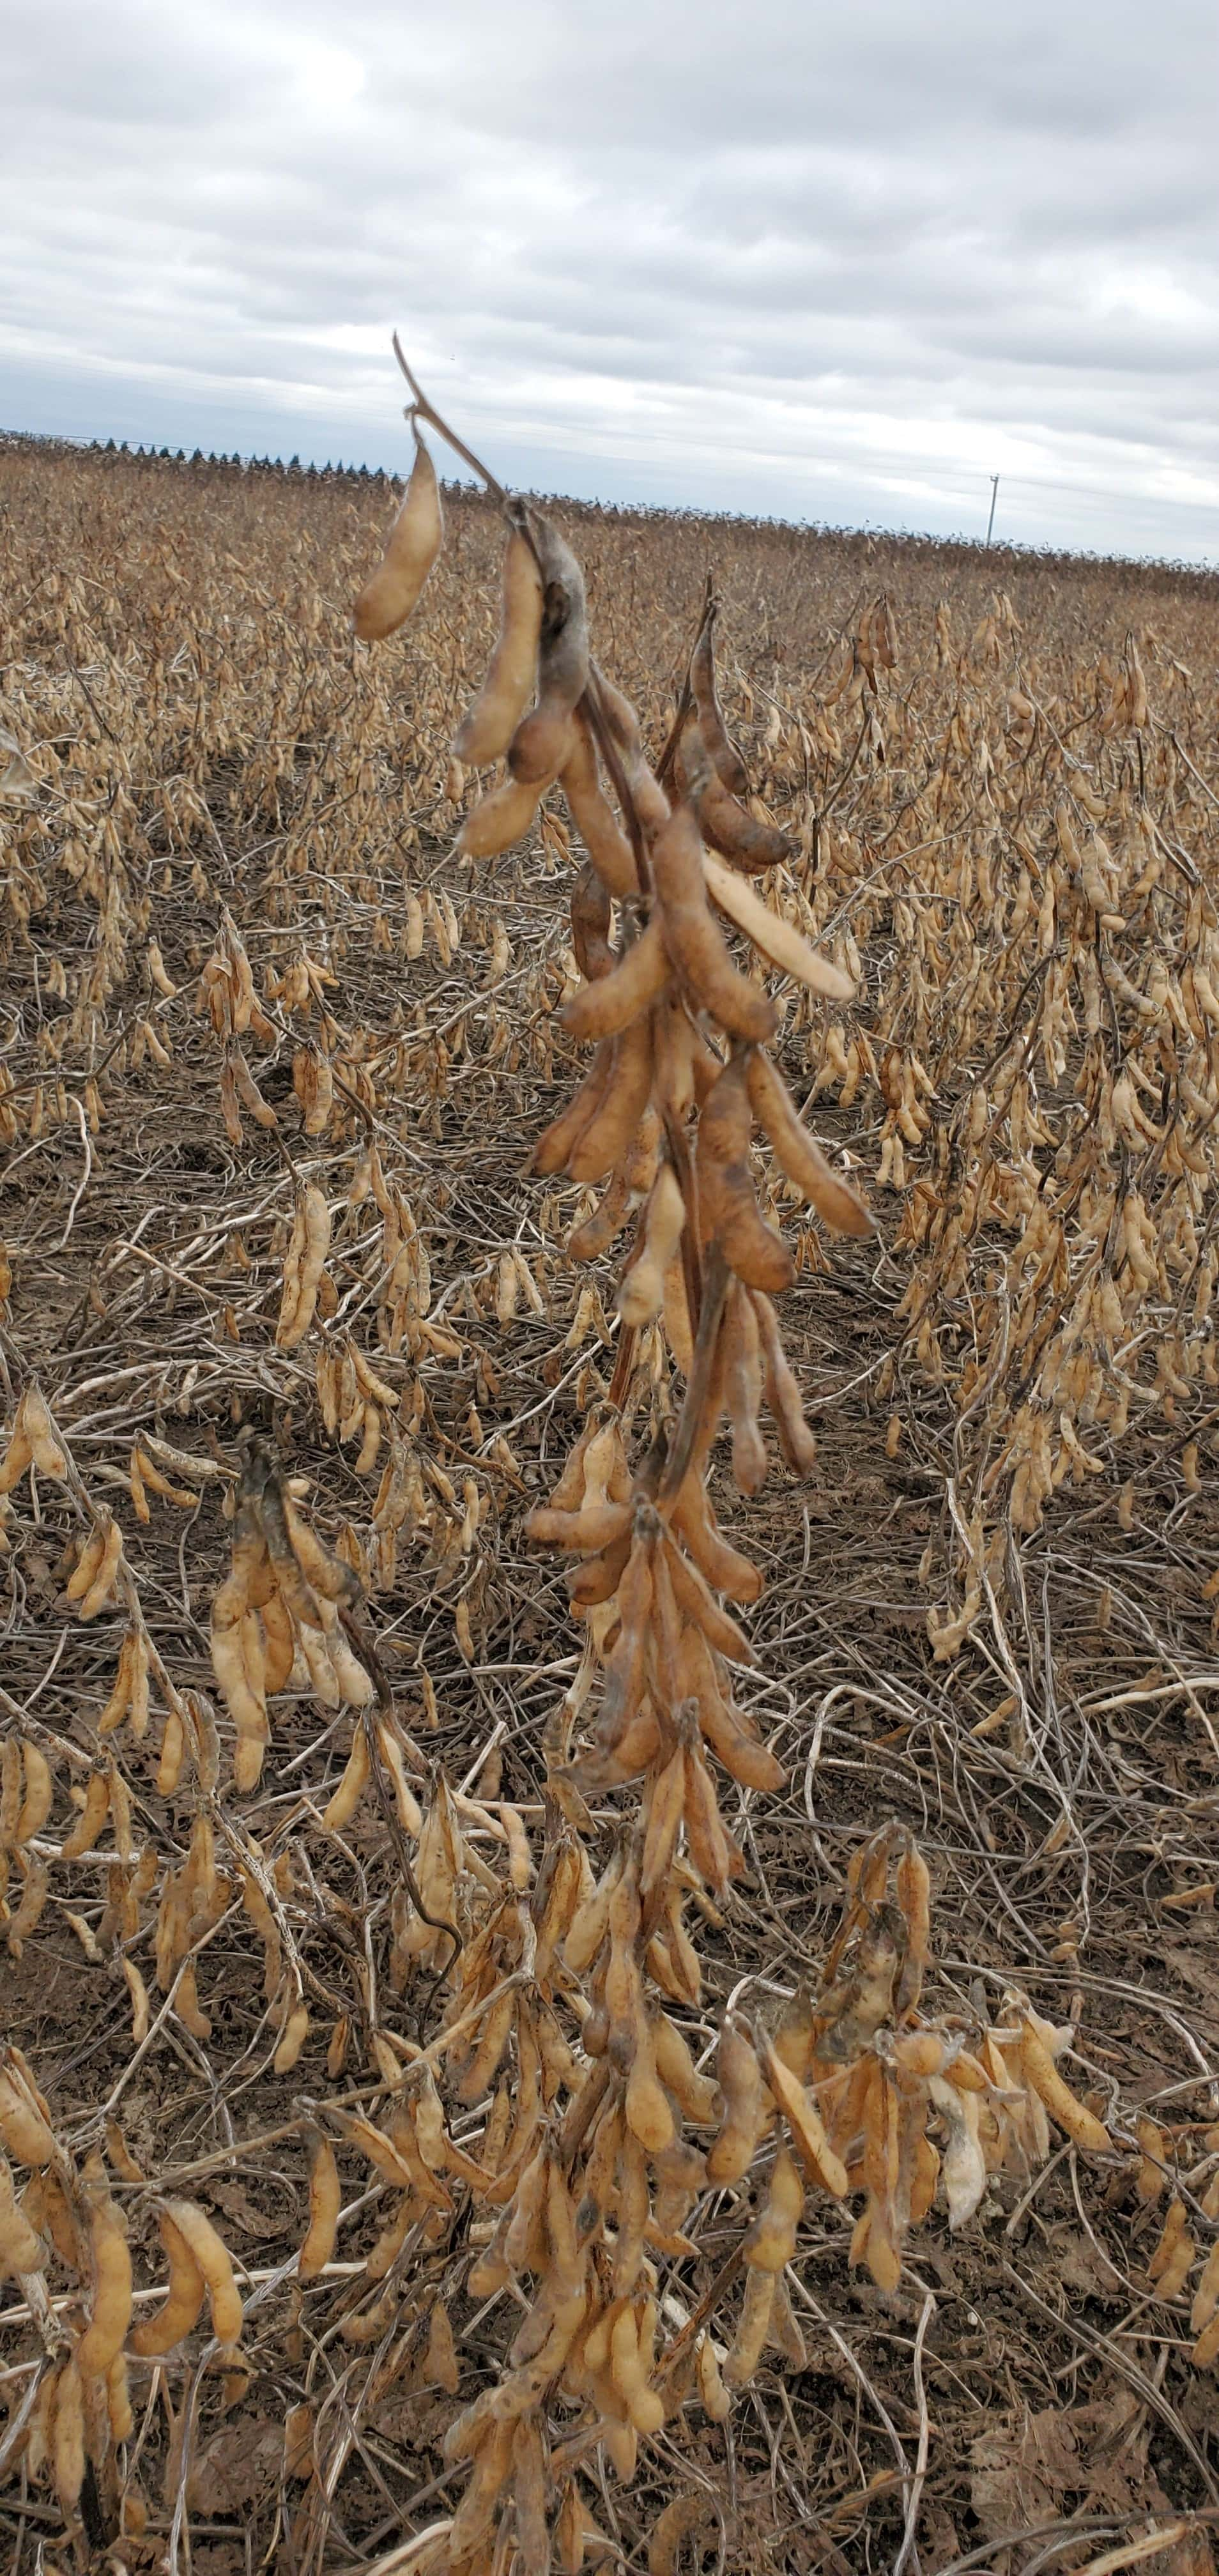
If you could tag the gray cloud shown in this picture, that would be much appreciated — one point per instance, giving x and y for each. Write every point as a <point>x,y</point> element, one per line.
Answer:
<point>836,264</point>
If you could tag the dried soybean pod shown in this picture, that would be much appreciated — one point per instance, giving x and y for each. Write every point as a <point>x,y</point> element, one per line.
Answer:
<point>796,1441</point>
<point>607,1134</point>
<point>771,2241</point>
<point>913,1890</point>
<point>91,1819</point>
<point>212,2258</point>
<point>728,1209</point>
<point>487,729</point>
<point>773,937</point>
<point>592,916</point>
<point>752,2329</point>
<point>539,745</point>
<point>797,1153</point>
<point>737,834</point>
<point>351,1787</point>
<point>588,1241</point>
<point>805,2122</point>
<point>40,1432</point>
<point>630,2375</point>
<point>601,832</point>
<point>694,941</point>
<point>20,2249</point>
<point>717,741</point>
<point>715,2398</point>
<point>102,1586</point>
<point>295,1319</point>
<point>732,2151</point>
<point>68,2439</point>
<point>325,2201</point>
<point>38,1794</point>
<point>106,2332</point>
<point>601,1009</point>
<point>415,540</point>
<point>557,1141</point>
<point>744,1383</point>
<point>24,2128</point>
<point>641,1294</point>
<point>1042,2074</point>
<point>179,2313</point>
<point>500,817</point>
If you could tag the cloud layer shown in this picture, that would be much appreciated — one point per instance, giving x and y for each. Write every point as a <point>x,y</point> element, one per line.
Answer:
<point>838,264</point>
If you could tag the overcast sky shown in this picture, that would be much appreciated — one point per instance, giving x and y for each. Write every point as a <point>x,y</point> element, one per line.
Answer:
<point>836,262</point>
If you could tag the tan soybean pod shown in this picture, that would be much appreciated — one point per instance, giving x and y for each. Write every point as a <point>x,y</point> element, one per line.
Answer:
<point>179,2313</point>
<point>67,2442</point>
<point>609,1131</point>
<point>1041,2073</point>
<point>500,818</point>
<point>415,540</point>
<point>564,1132</point>
<point>785,947</point>
<point>717,742</point>
<point>771,2241</point>
<point>91,1820</point>
<point>798,1154</point>
<point>740,2078</point>
<point>737,834</point>
<point>796,1441</point>
<point>601,1009</point>
<point>212,2257</point>
<point>110,2316</point>
<point>99,1589</point>
<point>641,1295</point>
<point>38,1793</point>
<point>728,1207</point>
<point>21,2250</point>
<point>325,2201</point>
<point>487,729</point>
<point>744,1386</point>
<point>694,941</point>
<point>39,1430</point>
<point>296,1311</point>
<point>753,2329</point>
<point>347,1796</point>
<point>594,818</point>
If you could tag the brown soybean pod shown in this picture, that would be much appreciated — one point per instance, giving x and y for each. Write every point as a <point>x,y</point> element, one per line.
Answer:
<point>180,2311</point>
<point>796,1441</point>
<point>743,1389</point>
<point>694,940</point>
<point>415,540</point>
<point>731,2153</point>
<point>212,2257</point>
<point>557,1141</point>
<point>724,1566</point>
<point>600,1010</point>
<point>728,1208</point>
<point>538,746</point>
<point>591,921</point>
<point>609,1131</point>
<point>500,817</point>
<point>325,2201</point>
<point>799,1155</point>
<point>737,834</point>
<point>486,731</point>
<point>715,735</point>
<point>604,839</point>
<point>104,2336</point>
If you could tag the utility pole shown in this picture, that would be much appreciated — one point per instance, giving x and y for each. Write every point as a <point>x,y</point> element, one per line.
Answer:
<point>994,495</point>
